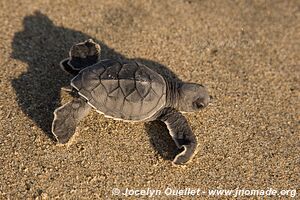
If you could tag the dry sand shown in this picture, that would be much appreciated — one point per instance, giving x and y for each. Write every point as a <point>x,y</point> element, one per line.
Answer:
<point>245,52</point>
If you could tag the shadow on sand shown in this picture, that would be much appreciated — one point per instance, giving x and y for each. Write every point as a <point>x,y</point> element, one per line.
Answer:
<point>42,45</point>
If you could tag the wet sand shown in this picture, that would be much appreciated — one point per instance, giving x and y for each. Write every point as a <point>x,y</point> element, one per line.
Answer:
<point>245,52</point>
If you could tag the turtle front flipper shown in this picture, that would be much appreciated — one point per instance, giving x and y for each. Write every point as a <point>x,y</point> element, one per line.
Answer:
<point>82,55</point>
<point>64,65</point>
<point>181,133</point>
<point>67,117</point>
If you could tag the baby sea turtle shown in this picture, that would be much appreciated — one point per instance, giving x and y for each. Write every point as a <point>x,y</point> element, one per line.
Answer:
<point>128,91</point>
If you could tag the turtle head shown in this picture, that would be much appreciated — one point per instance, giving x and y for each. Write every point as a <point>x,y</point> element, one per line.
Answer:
<point>192,97</point>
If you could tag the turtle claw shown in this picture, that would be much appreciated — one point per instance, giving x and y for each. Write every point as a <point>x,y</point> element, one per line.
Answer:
<point>67,88</point>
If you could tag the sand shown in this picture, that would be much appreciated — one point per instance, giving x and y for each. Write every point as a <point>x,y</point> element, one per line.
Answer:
<point>247,53</point>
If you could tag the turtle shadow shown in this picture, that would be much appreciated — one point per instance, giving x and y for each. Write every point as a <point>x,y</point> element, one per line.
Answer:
<point>42,45</point>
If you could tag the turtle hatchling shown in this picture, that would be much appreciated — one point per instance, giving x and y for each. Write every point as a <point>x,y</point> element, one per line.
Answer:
<point>129,91</point>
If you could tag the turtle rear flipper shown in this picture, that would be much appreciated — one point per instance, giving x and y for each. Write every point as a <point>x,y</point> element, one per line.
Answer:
<point>67,117</point>
<point>181,133</point>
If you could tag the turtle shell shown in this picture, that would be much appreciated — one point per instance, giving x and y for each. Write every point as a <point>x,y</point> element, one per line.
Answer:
<point>127,91</point>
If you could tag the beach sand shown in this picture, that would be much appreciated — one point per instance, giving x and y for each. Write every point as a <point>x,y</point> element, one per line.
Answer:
<point>247,53</point>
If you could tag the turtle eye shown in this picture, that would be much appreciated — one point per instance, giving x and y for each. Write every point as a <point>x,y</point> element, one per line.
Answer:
<point>198,104</point>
